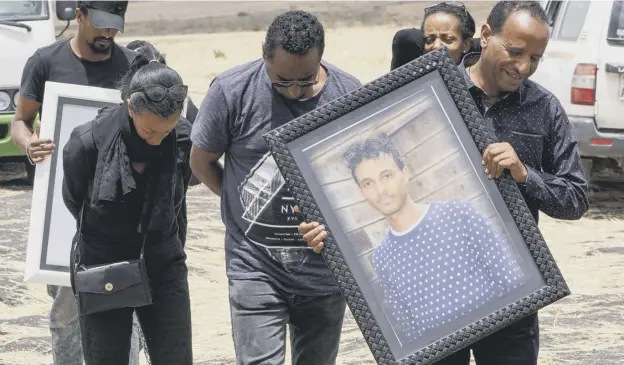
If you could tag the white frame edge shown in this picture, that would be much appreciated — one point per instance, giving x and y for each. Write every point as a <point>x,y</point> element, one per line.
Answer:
<point>53,91</point>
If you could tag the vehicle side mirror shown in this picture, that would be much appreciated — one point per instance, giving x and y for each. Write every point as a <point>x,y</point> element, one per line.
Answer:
<point>66,10</point>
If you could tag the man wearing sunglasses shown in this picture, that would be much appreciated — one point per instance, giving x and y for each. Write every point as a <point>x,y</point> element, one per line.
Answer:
<point>538,148</point>
<point>90,58</point>
<point>274,279</point>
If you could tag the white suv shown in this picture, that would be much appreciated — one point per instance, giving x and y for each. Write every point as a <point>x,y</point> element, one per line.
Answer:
<point>584,67</point>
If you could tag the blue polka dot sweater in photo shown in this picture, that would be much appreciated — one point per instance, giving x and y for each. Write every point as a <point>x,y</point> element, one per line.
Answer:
<point>450,263</point>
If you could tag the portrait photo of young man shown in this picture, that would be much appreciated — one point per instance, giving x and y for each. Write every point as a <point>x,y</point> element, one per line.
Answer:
<point>439,260</point>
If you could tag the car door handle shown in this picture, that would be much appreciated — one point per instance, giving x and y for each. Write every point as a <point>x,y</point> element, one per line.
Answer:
<point>614,68</point>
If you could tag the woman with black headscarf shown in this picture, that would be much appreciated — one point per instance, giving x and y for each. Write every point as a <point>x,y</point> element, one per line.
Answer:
<point>125,177</point>
<point>447,23</point>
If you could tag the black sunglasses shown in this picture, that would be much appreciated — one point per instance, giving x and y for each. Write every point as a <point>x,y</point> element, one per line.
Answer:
<point>158,93</point>
<point>301,84</point>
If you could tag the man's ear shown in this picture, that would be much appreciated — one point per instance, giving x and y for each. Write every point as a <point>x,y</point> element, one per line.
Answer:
<point>130,109</point>
<point>406,173</point>
<point>486,33</point>
<point>79,16</point>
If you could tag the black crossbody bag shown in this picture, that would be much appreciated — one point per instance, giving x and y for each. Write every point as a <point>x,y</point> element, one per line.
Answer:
<point>116,285</point>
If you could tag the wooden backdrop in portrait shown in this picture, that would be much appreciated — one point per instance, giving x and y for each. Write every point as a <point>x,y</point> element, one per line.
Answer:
<point>418,130</point>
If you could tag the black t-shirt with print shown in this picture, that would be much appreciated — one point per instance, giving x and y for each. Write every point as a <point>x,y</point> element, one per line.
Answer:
<point>58,62</point>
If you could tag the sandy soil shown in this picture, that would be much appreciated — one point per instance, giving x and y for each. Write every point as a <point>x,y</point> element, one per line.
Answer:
<point>585,328</point>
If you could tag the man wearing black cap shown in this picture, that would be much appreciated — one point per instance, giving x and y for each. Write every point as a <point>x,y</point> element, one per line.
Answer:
<point>90,58</point>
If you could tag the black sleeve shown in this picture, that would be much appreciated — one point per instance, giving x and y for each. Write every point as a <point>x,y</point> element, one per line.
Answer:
<point>182,214</point>
<point>76,172</point>
<point>33,78</point>
<point>561,188</point>
<point>183,141</point>
<point>191,111</point>
<point>183,129</point>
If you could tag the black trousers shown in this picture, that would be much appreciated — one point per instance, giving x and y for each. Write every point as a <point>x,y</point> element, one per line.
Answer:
<point>166,323</point>
<point>517,344</point>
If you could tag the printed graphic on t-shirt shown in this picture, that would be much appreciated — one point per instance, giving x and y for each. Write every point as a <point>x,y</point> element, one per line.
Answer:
<point>269,208</point>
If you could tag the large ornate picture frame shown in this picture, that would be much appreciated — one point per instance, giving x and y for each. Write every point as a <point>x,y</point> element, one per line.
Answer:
<point>430,254</point>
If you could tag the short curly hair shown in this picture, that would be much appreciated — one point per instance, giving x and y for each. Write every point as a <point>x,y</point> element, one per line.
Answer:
<point>295,31</point>
<point>466,21</point>
<point>371,148</point>
<point>503,9</point>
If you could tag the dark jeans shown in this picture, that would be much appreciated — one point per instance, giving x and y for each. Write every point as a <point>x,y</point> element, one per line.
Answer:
<point>260,313</point>
<point>517,344</point>
<point>65,329</point>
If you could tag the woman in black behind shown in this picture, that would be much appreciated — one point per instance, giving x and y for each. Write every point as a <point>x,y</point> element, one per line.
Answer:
<point>447,23</point>
<point>126,157</point>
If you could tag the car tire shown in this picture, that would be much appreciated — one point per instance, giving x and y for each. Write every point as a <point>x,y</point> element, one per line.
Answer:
<point>587,164</point>
<point>30,173</point>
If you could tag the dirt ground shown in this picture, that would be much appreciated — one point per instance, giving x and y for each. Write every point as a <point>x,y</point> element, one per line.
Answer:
<point>584,329</point>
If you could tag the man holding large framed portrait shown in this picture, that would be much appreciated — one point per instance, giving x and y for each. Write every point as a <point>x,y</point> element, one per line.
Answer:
<point>274,279</point>
<point>536,148</point>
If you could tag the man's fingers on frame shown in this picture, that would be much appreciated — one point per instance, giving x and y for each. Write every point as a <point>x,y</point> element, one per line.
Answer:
<point>313,233</point>
<point>489,147</point>
<point>319,238</point>
<point>318,248</point>
<point>307,227</point>
<point>492,147</point>
<point>499,171</point>
<point>486,153</point>
<point>304,228</point>
<point>489,154</point>
<point>38,142</point>
<point>490,169</point>
<point>495,151</point>
<point>39,155</point>
<point>41,152</point>
<point>506,162</point>
<point>499,158</point>
<point>32,149</point>
<point>44,147</point>
<point>315,244</point>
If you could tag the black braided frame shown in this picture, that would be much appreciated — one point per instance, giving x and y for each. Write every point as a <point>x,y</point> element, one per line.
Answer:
<point>483,135</point>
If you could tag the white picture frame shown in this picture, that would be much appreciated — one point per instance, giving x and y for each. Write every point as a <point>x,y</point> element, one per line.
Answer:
<point>52,227</point>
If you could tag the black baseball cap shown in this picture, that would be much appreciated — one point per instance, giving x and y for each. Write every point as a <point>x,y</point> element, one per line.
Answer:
<point>106,14</point>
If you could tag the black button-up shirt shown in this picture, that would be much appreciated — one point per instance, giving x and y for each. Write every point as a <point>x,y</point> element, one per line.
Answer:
<point>533,122</point>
